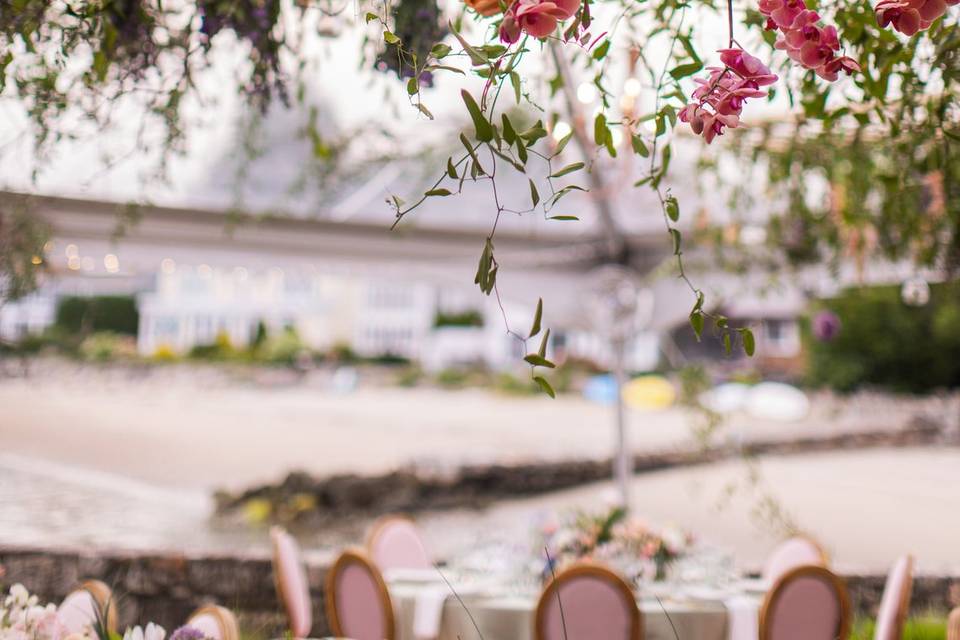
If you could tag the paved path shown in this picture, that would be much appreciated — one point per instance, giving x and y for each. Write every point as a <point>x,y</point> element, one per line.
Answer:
<point>178,427</point>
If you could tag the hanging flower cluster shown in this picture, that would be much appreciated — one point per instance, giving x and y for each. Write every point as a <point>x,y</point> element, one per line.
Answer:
<point>910,16</point>
<point>538,18</point>
<point>719,99</point>
<point>255,21</point>
<point>805,41</point>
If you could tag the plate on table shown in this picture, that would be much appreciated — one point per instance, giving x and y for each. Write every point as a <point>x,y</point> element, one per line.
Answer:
<point>420,576</point>
<point>755,586</point>
<point>705,594</point>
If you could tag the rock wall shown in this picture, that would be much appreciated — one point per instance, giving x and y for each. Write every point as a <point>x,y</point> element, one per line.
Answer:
<point>166,588</point>
<point>302,500</point>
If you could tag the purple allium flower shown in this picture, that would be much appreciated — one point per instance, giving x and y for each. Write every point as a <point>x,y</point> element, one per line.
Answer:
<point>186,632</point>
<point>826,326</point>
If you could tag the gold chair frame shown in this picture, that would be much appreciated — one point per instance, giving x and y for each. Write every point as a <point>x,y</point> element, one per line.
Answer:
<point>357,556</point>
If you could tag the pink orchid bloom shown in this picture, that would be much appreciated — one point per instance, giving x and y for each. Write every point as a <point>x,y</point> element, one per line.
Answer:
<point>812,44</point>
<point>719,98</point>
<point>910,16</point>
<point>538,18</point>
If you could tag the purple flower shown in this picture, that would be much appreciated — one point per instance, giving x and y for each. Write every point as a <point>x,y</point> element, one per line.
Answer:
<point>186,632</point>
<point>826,326</point>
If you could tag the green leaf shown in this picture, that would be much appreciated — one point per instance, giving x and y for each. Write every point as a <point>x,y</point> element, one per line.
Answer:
<point>562,218</point>
<point>509,134</point>
<point>562,144</point>
<point>570,168</point>
<point>390,38</point>
<point>451,170</point>
<point>473,155</point>
<point>675,234</point>
<point>412,87</point>
<point>542,352</point>
<point>600,130</point>
<point>727,343</point>
<point>534,194</point>
<point>537,316</point>
<point>673,208</point>
<point>601,51</point>
<point>437,192</point>
<point>476,57</point>
<point>515,81</point>
<point>440,50</point>
<point>480,123</point>
<point>639,147</point>
<point>749,344</point>
<point>685,70</point>
<point>696,321</point>
<point>534,133</point>
<point>545,386</point>
<point>371,17</point>
<point>538,361</point>
<point>423,109</point>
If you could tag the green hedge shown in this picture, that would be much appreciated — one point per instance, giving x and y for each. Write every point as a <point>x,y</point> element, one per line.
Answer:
<point>117,314</point>
<point>885,343</point>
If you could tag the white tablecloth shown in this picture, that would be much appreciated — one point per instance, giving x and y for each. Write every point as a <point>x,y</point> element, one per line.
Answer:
<point>429,611</point>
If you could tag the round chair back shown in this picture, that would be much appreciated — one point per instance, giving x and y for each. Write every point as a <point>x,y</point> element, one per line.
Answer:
<point>896,601</point>
<point>215,622</point>
<point>84,607</point>
<point>953,625</point>
<point>358,603</point>
<point>587,601</point>
<point>290,579</point>
<point>798,551</point>
<point>808,603</point>
<point>395,543</point>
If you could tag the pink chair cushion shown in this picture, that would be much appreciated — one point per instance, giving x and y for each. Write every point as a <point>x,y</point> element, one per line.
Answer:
<point>397,545</point>
<point>78,611</point>
<point>207,624</point>
<point>592,608</point>
<point>358,603</point>
<point>790,554</point>
<point>808,608</point>
<point>292,580</point>
<point>898,581</point>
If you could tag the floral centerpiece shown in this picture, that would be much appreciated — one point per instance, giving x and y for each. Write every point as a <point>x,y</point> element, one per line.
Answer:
<point>23,617</point>
<point>615,538</point>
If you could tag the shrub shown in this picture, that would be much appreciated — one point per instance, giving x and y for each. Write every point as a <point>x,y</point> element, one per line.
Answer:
<point>282,348</point>
<point>220,349</point>
<point>470,318</point>
<point>884,342</point>
<point>165,353</point>
<point>105,345</point>
<point>116,314</point>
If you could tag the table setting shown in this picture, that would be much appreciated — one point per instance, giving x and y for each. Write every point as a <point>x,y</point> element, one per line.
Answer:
<point>684,589</point>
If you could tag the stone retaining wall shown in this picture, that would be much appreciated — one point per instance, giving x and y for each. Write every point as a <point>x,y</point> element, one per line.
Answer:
<point>166,588</point>
<point>333,498</point>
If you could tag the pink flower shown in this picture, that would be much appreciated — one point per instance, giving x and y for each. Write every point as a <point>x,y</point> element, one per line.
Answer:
<point>806,41</point>
<point>538,18</point>
<point>720,97</point>
<point>910,16</point>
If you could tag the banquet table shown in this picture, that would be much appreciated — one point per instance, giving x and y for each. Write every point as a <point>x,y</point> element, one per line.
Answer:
<point>429,611</point>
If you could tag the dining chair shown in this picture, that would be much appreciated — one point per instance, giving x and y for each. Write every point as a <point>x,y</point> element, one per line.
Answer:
<point>807,603</point>
<point>394,542</point>
<point>794,552</point>
<point>953,625</point>
<point>215,622</point>
<point>586,601</point>
<point>290,580</point>
<point>358,603</point>
<point>895,603</point>
<point>86,606</point>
